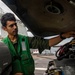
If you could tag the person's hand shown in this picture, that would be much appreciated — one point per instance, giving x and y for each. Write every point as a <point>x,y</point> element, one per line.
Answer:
<point>68,34</point>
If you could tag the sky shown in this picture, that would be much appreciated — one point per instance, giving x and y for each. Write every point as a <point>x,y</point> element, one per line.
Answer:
<point>6,9</point>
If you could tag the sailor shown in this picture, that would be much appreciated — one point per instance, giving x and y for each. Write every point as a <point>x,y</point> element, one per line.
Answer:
<point>19,45</point>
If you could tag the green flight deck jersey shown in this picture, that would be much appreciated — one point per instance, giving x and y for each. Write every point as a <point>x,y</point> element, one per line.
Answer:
<point>22,61</point>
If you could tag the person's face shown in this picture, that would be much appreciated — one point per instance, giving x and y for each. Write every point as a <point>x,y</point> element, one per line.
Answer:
<point>11,28</point>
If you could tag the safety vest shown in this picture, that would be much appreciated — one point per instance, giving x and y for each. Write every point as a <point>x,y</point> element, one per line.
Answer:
<point>23,60</point>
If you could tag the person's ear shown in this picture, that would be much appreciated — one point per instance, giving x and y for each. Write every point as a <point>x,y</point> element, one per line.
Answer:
<point>4,28</point>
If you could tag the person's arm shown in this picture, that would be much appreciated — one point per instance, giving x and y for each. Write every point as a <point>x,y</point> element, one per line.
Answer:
<point>60,37</point>
<point>54,41</point>
<point>38,42</point>
<point>41,44</point>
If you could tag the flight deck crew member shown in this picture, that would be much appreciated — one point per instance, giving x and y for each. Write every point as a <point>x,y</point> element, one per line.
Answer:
<point>19,45</point>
